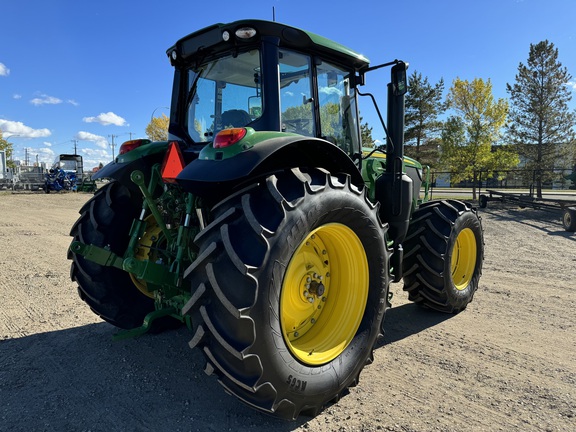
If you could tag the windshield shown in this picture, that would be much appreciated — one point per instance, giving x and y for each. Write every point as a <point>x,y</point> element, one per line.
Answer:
<point>223,93</point>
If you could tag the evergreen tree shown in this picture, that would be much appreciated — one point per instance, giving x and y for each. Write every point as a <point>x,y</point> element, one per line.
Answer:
<point>366,134</point>
<point>540,122</point>
<point>423,106</point>
<point>428,154</point>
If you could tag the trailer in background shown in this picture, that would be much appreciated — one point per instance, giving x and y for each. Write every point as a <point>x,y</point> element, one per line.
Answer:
<point>566,206</point>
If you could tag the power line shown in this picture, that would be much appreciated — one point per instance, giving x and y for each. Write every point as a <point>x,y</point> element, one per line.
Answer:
<point>113,145</point>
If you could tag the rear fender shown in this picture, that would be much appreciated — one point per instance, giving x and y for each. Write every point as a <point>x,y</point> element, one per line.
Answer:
<point>141,158</point>
<point>216,178</point>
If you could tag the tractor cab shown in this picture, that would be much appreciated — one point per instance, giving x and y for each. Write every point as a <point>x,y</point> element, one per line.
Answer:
<point>267,77</point>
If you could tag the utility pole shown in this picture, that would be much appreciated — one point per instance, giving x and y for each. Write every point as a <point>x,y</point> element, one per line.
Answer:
<point>74,141</point>
<point>113,145</point>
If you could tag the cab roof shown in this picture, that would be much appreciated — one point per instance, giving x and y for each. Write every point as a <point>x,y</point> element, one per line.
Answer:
<point>210,40</point>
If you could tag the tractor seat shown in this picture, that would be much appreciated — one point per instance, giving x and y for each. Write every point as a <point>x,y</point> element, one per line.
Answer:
<point>235,118</point>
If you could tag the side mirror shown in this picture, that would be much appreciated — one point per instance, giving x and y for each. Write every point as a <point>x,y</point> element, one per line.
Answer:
<point>255,106</point>
<point>399,83</point>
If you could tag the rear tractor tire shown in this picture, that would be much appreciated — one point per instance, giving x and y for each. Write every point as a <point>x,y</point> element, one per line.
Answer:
<point>289,290</point>
<point>105,220</point>
<point>444,251</point>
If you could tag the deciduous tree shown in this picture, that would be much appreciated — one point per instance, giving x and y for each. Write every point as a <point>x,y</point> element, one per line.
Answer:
<point>157,129</point>
<point>470,134</point>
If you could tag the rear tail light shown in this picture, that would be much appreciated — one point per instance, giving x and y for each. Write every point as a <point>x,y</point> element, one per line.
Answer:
<point>132,144</point>
<point>173,163</point>
<point>228,137</point>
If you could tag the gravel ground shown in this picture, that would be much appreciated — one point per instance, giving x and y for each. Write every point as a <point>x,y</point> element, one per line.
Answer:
<point>505,363</point>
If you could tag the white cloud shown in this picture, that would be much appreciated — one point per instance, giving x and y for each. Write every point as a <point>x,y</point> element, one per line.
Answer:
<point>72,102</point>
<point>44,154</point>
<point>11,128</point>
<point>93,157</point>
<point>17,96</point>
<point>4,71</point>
<point>41,154</point>
<point>330,91</point>
<point>95,153</point>
<point>99,140</point>
<point>106,119</point>
<point>572,84</point>
<point>45,100</point>
<point>47,144</point>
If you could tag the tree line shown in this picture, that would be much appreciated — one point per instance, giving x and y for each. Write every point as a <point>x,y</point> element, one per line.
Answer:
<point>478,134</point>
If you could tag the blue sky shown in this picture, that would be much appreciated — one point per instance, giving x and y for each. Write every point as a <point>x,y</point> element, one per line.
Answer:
<point>93,70</point>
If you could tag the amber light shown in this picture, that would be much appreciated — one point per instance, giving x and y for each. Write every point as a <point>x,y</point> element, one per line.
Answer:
<point>173,163</point>
<point>128,146</point>
<point>228,137</point>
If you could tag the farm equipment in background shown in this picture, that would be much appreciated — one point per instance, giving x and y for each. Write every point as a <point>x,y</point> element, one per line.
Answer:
<point>57,180</point>
<point>67,173</point>
<point>264,226</point>
<point>565,205</point>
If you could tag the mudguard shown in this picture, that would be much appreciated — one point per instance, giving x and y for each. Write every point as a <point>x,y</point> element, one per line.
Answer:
<point>216,175</point>
<point>141,158</point>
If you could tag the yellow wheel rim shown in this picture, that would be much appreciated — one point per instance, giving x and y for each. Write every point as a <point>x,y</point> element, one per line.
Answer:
<point>149,238</point>
<point>463,259</point>
<point>324,294</point>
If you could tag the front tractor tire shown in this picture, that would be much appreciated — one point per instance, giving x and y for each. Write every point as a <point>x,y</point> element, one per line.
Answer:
<point>444,251</point>
<point>289,291</point>
<point>105,221</point>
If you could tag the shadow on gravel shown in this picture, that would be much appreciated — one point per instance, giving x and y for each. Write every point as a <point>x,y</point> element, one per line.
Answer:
<point>407,320</point>
<point>79,379</point>
<point>530,217</point>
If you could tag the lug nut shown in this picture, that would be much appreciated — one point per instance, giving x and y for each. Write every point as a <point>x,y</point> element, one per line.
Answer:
<point>311,299</point>
<point>296,334</point>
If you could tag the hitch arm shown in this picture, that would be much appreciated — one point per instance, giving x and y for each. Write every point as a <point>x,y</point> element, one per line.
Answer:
<point>102,256</point>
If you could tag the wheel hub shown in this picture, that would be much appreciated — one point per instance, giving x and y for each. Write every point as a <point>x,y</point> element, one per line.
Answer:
<point>324,294</point>
<point>148,239</point>
<point>464,259</point>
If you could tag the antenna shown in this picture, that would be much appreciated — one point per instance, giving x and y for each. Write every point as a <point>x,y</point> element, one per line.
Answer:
<point>273,14</point>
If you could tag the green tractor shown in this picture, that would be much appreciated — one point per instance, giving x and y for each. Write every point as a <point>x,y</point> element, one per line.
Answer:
<point>264,226</point>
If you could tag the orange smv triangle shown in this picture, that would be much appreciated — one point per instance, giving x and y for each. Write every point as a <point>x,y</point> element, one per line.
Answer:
<point>173,163</point>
